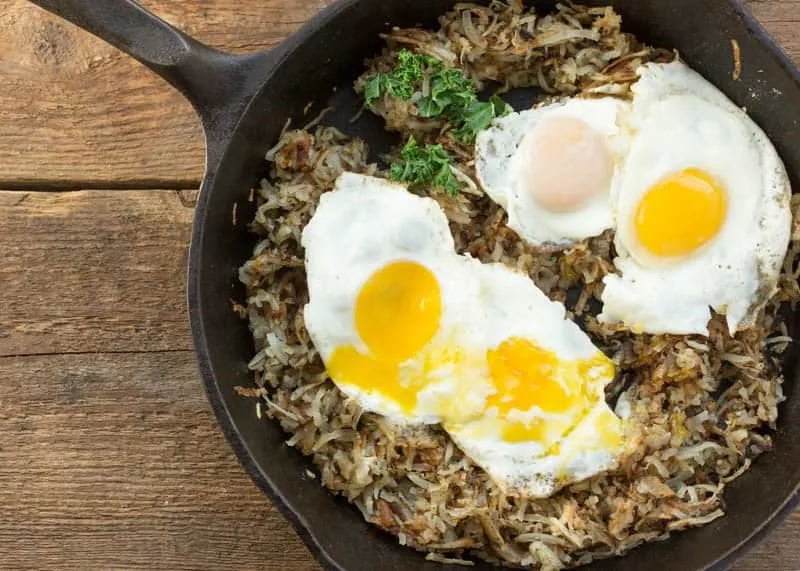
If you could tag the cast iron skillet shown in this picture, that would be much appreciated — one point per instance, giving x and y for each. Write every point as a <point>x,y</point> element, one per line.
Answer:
<point>243,102</point>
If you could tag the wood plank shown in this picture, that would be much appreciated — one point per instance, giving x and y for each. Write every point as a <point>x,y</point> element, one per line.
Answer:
<point>94,271</point>
<point>780,16</point>
<point>115,461</point>
<point>77,112</point>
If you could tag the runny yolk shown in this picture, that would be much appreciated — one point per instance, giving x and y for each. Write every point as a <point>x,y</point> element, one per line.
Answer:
<point>397,313</point>
<point>397,316</point>
<point>681,213</point>
<point>608,429</point>
<point>526,376</point>
<point>535,431</point>
<point>348,366</point>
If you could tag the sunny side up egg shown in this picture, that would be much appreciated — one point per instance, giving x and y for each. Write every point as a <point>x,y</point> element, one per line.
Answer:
<point>702,209</point>
<point>413,331</point>
<point>553,168</point>
<point>392,310</point>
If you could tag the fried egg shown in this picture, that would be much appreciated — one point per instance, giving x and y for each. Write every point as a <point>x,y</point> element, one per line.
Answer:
<point>392,308</point>
<point>547,423</point>
<point>702,209</point>
<point>411,330</point>
<point>553,168</point>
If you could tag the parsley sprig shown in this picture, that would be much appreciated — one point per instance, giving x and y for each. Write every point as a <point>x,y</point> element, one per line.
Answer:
<point>451,94</point>
<point>400,83</point>
<point>425,165</point>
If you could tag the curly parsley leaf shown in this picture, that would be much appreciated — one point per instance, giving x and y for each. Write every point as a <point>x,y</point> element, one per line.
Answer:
<point>373,89</point>
<point>450,87</point>
<point>452,95</point>
<point>410,70</point>
<point>445,180</point>
<point>428,107</point>
<point>402,81</point>
<point>425,165</point>
<point>478,115</point>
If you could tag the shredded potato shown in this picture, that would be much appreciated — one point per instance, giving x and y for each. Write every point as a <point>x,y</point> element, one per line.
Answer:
<point>705,403</point>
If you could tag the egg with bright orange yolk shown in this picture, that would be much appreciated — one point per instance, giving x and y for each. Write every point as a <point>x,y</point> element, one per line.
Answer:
<point>407,353</point>
<point>702,209</point>
<point>412,331</point>
<point>392,307</point>
<point>553,168</point>
<point>547,424</point>
<point>680,214</point>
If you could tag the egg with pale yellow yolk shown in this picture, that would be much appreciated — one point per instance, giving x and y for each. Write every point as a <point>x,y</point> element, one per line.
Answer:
<point>553,168</point>
<point>413,331</point>
<point>702,210</point>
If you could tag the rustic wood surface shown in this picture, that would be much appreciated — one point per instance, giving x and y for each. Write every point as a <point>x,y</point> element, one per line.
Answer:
<point>110,457</point>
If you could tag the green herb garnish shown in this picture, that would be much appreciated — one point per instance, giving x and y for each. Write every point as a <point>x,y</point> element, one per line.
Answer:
<point>425,165</point>
<point>373,88</point>
<point>478,115</point>
<point>451,94</point>
<point>403,79</point>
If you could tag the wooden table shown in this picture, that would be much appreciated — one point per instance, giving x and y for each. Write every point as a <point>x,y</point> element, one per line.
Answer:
<point>110,457</point>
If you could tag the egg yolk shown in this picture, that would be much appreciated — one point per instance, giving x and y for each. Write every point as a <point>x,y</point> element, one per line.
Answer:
<point>565,163</point>
<point>397,313</point>
<point>681,213</point>
<point>527,376</point>
<point>398,310</point>
<point>608,429</point>
<point>347,365</point>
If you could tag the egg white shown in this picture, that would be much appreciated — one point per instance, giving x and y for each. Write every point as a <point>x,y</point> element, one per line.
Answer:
<point>517,309</point>
<point>681,121</point>
<point>364,224</point>
<point>499,170</point>
<point>367,223</point>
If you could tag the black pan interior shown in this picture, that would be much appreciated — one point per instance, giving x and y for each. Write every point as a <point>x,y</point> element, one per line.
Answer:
<point>318,65</point>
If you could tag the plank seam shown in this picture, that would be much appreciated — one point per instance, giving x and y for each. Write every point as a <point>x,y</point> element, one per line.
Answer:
<point>110,352</point>
<point>73,186</point>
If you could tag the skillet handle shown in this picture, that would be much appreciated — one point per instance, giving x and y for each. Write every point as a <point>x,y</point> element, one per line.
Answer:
<point>218,85</point>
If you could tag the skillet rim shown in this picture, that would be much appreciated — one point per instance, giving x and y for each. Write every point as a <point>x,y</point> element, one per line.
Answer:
<point>213,389</point>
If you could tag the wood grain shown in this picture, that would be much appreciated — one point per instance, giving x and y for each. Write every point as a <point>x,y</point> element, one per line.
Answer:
<point>94,271</point>
<point>77,113</point>
<point>781,18</point>
<point>110,457</point>
<point>114,461</point>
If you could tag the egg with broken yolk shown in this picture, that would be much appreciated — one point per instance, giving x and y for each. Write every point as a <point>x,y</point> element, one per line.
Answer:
<point>547,423</point>
<point>412,331</point>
